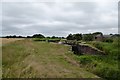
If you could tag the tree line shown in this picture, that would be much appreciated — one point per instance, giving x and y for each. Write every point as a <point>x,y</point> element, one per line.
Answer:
<point>91,36</point>
<point>33,36</point>
<point>85,37</point>
<point>78,36</point>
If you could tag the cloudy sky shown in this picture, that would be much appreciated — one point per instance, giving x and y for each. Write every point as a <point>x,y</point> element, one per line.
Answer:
<point>59,18</point>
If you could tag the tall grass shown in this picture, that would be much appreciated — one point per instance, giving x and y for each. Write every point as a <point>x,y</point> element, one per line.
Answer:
<point>34,59</point>
<point>105,66</point>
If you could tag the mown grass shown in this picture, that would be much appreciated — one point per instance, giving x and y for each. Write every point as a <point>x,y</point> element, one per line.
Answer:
<point>31,59</point>
<point>105,66</point>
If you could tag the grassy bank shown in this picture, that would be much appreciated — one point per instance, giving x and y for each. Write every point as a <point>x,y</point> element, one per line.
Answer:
<point>105,66</point>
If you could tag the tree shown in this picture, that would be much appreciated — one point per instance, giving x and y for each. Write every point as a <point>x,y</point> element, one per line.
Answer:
<point>77,36</point>
<point>29,36</point>
<point>63,37</point>
<point>96,33</point>
<point>48,37</point>
<point>38,36</point>
<point>88,37</point>
<point>70,37</point>
<point>53,37</point>
<point>111,34</point>
<point>14,36</point>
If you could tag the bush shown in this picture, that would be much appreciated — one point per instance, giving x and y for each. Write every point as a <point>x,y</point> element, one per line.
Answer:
<point>39,39</point>
<point>97,45</point>
<point>109,40</point>
<point>53,40</point>
<point>116,42</point>
<point>107,73</point>
<point>74,37</point>
<point>104,66</point>
<point>85,59</point>
<point>99,66</point>
<point>88,37</point>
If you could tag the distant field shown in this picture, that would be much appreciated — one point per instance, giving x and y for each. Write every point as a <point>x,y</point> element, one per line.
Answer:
<point>8,40</point>
<point>30,59</point>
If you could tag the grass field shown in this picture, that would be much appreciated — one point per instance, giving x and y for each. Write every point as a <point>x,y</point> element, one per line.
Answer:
<point>30,59</point>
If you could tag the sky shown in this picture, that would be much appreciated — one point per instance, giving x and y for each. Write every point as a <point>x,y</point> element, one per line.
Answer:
<point>58,18</point>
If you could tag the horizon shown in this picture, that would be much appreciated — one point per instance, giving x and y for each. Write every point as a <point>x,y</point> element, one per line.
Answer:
<point>54,35</point>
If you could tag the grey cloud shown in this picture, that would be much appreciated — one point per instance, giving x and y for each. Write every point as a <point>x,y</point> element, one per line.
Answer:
<point>58,19</point>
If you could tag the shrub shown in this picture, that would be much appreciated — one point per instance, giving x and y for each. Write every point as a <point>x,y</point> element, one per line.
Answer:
<point>104,66</point>
<point>107,72</point>
<point>88,37</point>
<point>39,39</point>
<point>97,45</point>
<point>85,59</point>
<point>116,42</point>
<point>109,40</point>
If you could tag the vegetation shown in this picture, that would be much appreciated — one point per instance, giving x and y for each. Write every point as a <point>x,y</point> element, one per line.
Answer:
<point>47,39</point>
<point>33,36</point>
<point>39,39</point>
<point>100,66</point>
<point>36,57</point>
<point>87,37</point>
<point>33,59</point>
<point>84,37</point>
<point>96,33</point>
<point>110,40</point>
<point>105,66</point>
<point>74,37</point>
<point>14,36</point>
<point>38,36</point>
<point>70,37</point>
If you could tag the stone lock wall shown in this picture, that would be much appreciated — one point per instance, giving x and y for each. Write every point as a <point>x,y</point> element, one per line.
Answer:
<point>84,49</point>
